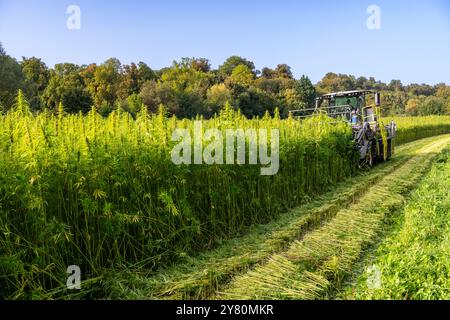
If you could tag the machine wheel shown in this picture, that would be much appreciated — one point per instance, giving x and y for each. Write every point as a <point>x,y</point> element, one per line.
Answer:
<point>371,156</point>
<point>369,161</point>
<point>389,149</point>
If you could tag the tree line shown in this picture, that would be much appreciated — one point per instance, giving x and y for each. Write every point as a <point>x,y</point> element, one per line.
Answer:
<point>190,87</point>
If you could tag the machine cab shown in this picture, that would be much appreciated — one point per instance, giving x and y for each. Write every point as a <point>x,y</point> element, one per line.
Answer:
<point>350,105</point>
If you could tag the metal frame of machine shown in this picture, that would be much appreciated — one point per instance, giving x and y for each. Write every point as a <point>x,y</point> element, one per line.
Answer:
<point>374,139</point>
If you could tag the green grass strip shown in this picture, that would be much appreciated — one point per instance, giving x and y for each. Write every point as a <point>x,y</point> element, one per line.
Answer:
<point>316,265</point>
<point>414,261</point>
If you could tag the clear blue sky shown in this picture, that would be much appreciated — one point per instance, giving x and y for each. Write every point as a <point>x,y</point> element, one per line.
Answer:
<point>313,37</point>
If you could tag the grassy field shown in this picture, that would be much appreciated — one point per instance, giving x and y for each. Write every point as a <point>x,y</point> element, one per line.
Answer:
<point>202,276</point>
<point>414,259</point>
<point>315,266</point>
<point>103,193</point>
<point>414,128</point>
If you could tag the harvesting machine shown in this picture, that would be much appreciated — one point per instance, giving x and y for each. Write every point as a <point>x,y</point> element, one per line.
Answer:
<point>374,139</point>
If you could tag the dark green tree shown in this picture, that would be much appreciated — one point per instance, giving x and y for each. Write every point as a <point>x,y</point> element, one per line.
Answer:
<point>129,82</point>
<point>66,86</point>
<point>103,84</point>
<point>200,64</point>
<point>232,62</point>
<point>11,78</point>
<point>333,82</point>
<point>395,85</point>
<point>145,73</point>
<point>268,73</point>
<point>420,89</point>
<point>307,92</point>
<point>37,77</point>
<point>433,106</point>
<point>255,102</point>
<point>283,71</point>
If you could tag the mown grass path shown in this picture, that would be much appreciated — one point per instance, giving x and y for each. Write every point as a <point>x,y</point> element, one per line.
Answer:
<point>413,260</point>
<point>304,254</point>
<point>315,265</point>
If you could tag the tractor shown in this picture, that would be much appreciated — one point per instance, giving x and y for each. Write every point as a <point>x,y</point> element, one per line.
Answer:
<point>374,140</point>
